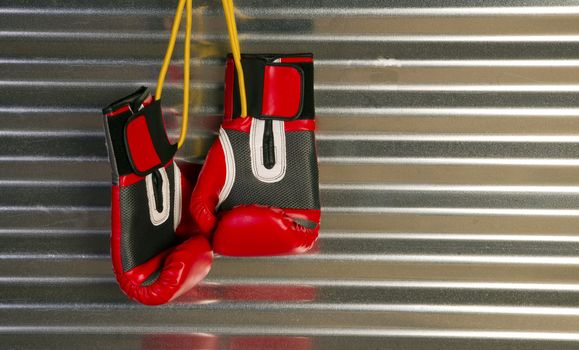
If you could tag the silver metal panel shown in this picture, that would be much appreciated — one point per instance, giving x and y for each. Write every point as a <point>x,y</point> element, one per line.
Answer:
<point>448,142</point>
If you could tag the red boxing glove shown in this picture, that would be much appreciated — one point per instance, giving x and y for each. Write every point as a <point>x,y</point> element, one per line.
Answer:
<point>155,256</point>
<point>258,191</point>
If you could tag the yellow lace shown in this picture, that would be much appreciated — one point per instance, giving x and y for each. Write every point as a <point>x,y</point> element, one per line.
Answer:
<point>186,62</point>
<point>234,42</point>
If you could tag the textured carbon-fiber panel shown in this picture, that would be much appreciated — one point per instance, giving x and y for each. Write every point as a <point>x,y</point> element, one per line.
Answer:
<point>140,239</point>
<point>298,188</point>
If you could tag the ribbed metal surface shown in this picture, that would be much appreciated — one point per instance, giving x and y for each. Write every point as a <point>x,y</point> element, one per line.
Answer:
<point>448,141</point>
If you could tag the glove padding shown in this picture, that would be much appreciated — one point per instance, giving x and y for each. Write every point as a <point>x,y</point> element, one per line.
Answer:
<point>258,191</point>
<point>156,255</point>
<point>254,230</point>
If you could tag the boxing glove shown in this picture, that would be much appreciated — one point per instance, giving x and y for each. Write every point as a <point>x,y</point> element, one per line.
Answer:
<point>258,190</point>
<point>156,257</point>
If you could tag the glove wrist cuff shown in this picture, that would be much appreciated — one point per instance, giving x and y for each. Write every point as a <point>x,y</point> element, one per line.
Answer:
<point>136,137</point>
<point>279,87</point>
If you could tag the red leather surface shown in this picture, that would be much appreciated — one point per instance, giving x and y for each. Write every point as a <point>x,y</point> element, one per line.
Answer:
<point>296,59</point>
<point>148,101</point>
<point>182,268</point>
<point>205,196</point>
<point>244,125</point>
<point>126,108</point>
<point>118,111</point>
<point>254,230</point>
<point>140,273</point>
<point>239,124</point>
<point>282,91</point>
<point>304,214</point>
<point>128,180</point>
<point>140,145</point>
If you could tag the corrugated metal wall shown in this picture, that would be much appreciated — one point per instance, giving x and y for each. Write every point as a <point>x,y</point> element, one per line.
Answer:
<point>449,149</point>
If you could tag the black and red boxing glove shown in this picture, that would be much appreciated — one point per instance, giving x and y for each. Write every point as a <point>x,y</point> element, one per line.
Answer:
<point>156,257</point>
<point>258,191</point>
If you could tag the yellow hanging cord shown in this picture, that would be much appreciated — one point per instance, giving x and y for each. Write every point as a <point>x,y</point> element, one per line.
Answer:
<point>186,73</point>
<point>186,63</point>
<point>235,49</point>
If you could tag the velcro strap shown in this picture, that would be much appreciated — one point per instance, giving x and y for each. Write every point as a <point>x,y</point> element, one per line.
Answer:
<point>148,147</point>
<point>276,90</point>
<point>282,91</point>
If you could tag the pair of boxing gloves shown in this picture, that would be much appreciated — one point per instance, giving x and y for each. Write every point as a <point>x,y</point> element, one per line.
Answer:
<point>256,195</point>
